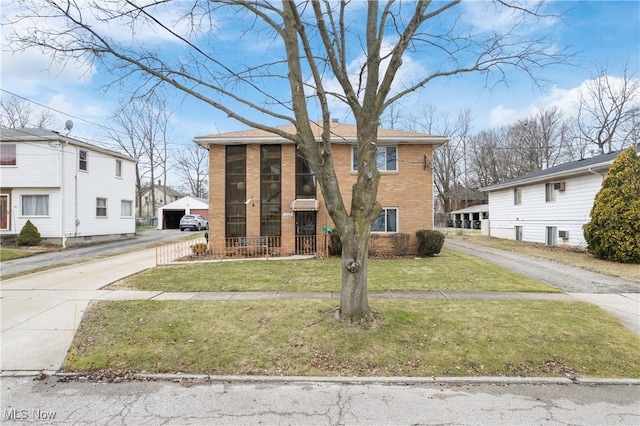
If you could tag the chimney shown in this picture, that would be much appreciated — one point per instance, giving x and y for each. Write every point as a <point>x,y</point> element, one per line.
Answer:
<point>159,182</point>
<point>335,120</point>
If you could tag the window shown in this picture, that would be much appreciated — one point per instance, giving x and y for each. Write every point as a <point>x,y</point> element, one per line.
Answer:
<point>518,233</point>
<point>552,233</point>
<point>517,196</point>
<point>236,200</point>
<point>126,208</point>
<point>101,207</point>
<point>387,159</point>
<point>305,180</point>
<point>270,192</point>
<point>35,205</point>
<point>387,221</point>
<point>83,160</point>
<point>8,154</point>
<point>549,192</point>
<point>119,168</point>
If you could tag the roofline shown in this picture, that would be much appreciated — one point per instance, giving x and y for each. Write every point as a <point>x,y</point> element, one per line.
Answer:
<point>55,136</point>
<point>204,141</point>
<point>551,176</point>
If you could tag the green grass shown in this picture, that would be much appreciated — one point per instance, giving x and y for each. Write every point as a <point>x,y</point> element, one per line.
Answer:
<point>9,254</point>
<point>409,338</point>
<point>450,270</point>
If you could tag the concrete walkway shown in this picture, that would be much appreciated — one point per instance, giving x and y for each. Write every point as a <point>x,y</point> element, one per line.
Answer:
<point>42,311</point>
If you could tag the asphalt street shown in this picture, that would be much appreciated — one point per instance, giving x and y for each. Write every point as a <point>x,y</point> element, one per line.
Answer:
<point>25,400</point>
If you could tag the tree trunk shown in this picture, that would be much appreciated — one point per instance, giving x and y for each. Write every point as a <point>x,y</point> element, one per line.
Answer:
<point>354,302</point>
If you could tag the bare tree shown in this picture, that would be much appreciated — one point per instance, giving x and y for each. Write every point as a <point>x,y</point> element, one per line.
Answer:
<point>193,167</point>
<point>140,128</point>
<point>449,160</point>
<point>15,114</point>
<point>608,110</point>
<point>320,53</point>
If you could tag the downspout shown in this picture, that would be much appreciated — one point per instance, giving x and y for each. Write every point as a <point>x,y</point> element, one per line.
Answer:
<point>64,237</point>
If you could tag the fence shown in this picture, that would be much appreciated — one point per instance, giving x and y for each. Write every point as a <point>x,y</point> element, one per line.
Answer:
<point>238,247</point>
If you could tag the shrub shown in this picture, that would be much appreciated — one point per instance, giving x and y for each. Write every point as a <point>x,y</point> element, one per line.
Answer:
<point>335,246</point>
<point>374,245</point>
<point>29,235</point>
<point>401,243</point>
<point>429,242</point>
<point>199,249</point>
<point>614,230</point>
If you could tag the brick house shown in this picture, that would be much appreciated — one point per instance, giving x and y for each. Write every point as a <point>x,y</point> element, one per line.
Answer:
<point>263,196</point>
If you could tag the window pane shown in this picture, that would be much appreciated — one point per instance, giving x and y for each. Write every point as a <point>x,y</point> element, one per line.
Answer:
<point>270,190</point>
<point>378,224</point>
<point>235,191</point>
<point>35,205</point>
<point>126,208</point>
<point>101,207</point>
<point>391,158</point>
<point>7,154</point>
<point>82,160</point>
<point>354,166</point>
<point>392,223</point>
<point>382,159</point>
<point>119,168</point>
<point>305,180</point>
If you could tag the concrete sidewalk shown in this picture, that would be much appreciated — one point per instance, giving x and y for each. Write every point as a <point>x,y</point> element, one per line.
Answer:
<point>42,311</point>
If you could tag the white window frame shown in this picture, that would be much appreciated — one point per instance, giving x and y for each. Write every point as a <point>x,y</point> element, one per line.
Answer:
<point>83,162</point>
<point>118,168</point>
<point>100,208</point>
<point>382,153</point>
<point>551,237</point>
<point>549,193</point>
<point>44,204</point>
<point>384,216</point>
<point>517,196</point>
<point>123,204</point>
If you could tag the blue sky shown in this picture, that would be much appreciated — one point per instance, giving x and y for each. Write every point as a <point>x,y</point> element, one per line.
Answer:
<point>601,33</point>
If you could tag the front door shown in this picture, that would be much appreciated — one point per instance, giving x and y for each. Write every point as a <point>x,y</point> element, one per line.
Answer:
<point>4,212</point>
<point>305,232</point>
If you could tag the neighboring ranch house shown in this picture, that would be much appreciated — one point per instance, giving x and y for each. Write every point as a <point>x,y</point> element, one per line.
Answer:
<point>169,216</point>
<point>72,191</point>
<point>548,206</point>
<point>264,195</point>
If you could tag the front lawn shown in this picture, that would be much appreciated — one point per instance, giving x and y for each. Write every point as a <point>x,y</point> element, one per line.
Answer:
<point>448,271</point>
<point>409,338</point>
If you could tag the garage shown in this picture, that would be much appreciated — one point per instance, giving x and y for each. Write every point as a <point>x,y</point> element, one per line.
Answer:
<point>169,216</point>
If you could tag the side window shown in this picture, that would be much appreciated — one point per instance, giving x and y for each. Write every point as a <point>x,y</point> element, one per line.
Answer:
<point>35,205</point>
<point>8,154</point>
<point>387,221</point>
<point>83,160</point>
<point>517,196</point>
<point>549,192</point>
<point>387,160</point>
<point>119,168</point>
<point>101,207</point>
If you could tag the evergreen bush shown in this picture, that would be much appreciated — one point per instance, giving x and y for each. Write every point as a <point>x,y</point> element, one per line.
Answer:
<point>29,235</point>
<point>614,230</point>
<point>429,242</point>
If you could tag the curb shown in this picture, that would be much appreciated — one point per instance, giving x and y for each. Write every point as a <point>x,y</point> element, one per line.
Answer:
<point>395,380</point>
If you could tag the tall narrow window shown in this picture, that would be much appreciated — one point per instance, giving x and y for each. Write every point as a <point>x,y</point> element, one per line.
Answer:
<point>517,196</point>
<point>8,154</point>
<point>549,192</point>
<point>101,207</point>
<point>552,236</point>
<point>305,180</point>
<point>236,191</point>
<point>270,192</point>
<point>83,160</point>
<point>119,168</point>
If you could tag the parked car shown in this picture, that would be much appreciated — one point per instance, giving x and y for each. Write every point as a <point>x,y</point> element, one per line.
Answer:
<point>194,222</point>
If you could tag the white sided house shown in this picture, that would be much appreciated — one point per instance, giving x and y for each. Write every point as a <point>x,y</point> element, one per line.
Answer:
<point>548,206</point>
<point>72,191</point>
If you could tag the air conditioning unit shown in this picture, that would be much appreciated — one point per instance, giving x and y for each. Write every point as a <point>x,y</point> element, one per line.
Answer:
<point>563,234</point>
<point>559,186</point>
